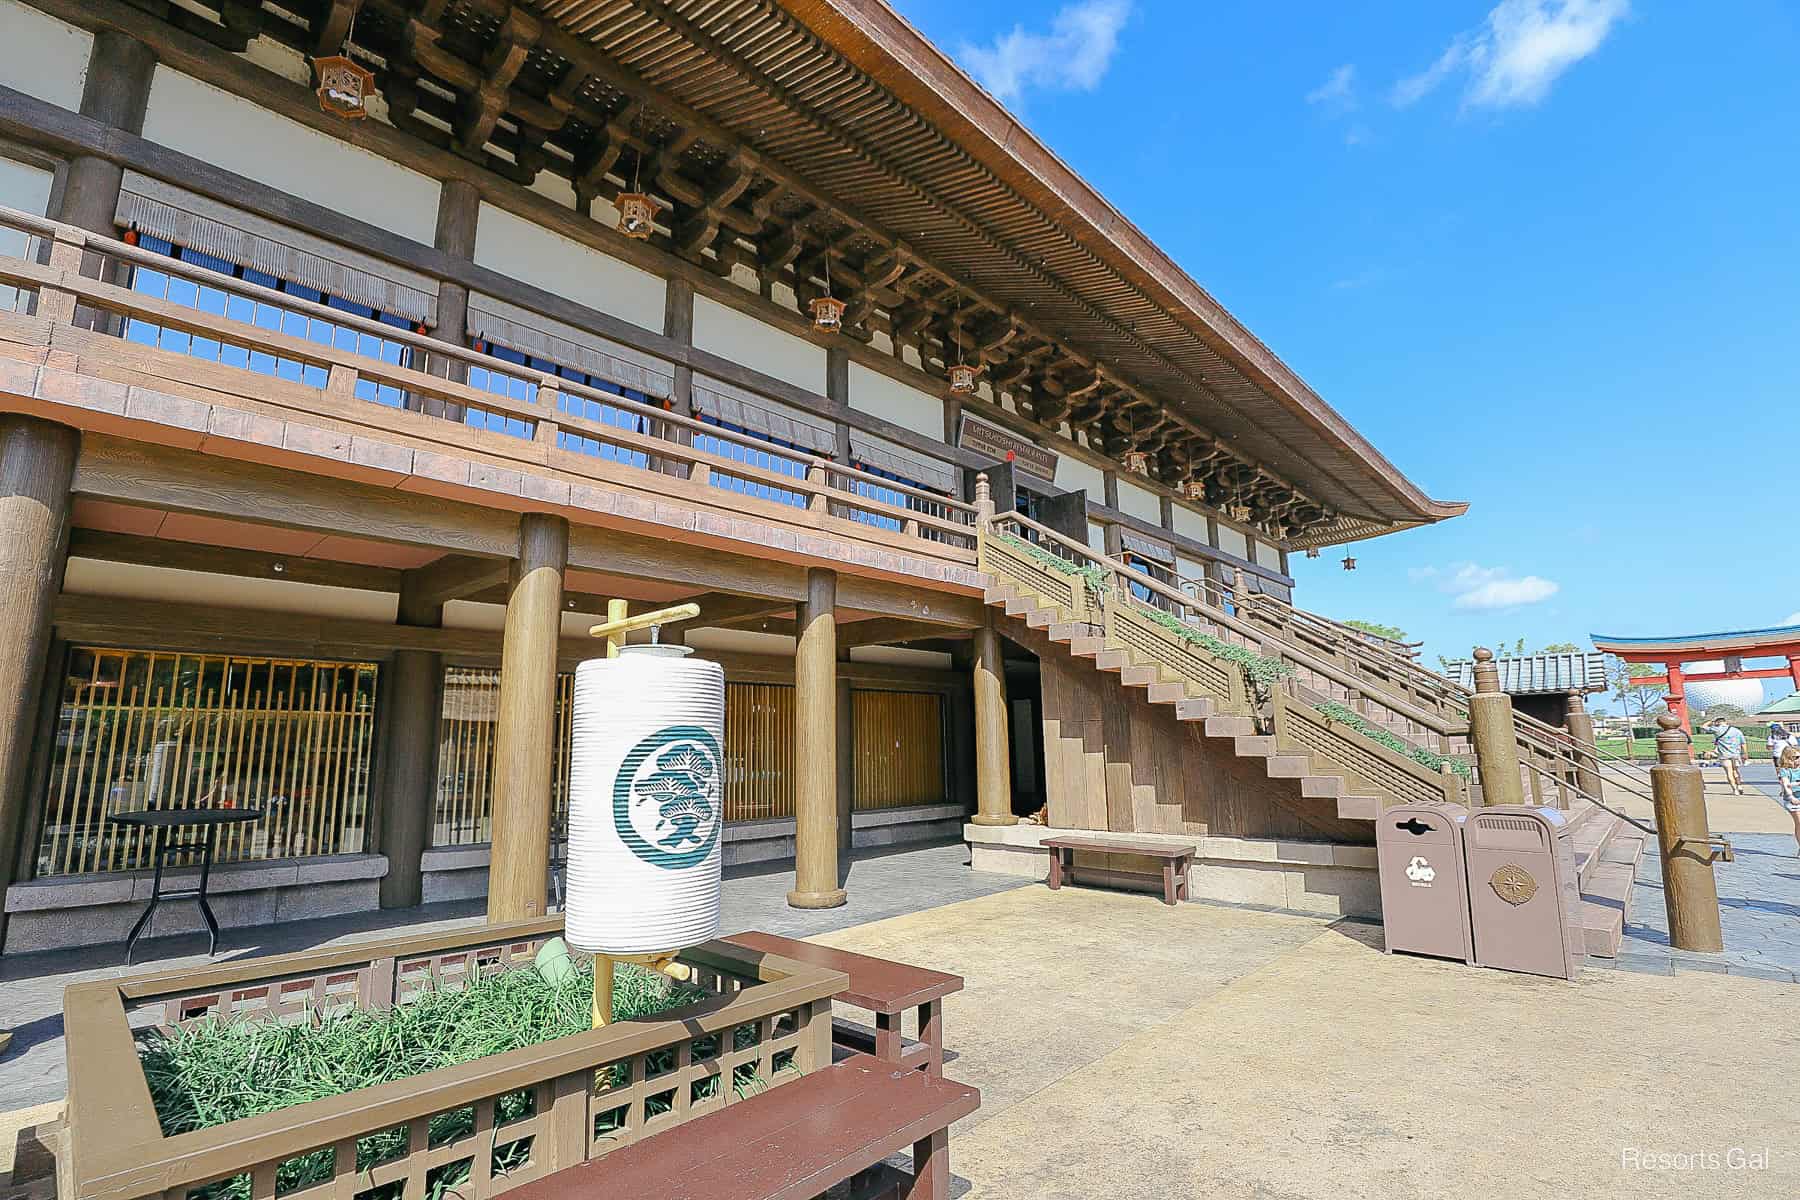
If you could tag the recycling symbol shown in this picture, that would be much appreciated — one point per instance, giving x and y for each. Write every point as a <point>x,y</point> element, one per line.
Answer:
<point>1420,871</point>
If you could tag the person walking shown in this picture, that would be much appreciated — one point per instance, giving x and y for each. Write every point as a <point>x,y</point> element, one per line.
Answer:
<point>1728,744</point>
<point>1787,777</point>
<point>1780,738</point>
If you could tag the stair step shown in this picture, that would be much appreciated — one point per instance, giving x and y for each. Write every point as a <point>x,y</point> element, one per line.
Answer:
<point>1140,676</point>
<point>1066,632</point>
<point>1256,745</point>
<point>1018,606</point>
<point>1607,892</point>
<point>1087,647</point>
<point>999,593</point>
<point>1042,618</point>
<point>1289,766</point>
<point>1112,660</point>
<point>1167,693</point>
<point>1229,726</point>
<point>1359,808</point>
<point>1322,787</point>
<point>1194,708</point>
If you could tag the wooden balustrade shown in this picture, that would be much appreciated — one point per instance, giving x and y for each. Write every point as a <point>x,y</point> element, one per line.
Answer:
<point>474,1130</point>
<point>824,488</point>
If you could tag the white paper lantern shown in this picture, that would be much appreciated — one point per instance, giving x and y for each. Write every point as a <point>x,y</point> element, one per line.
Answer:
<point>646,802</point>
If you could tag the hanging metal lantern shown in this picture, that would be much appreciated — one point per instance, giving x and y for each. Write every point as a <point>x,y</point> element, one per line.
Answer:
<point>1194,489</point>
<point>1238,511</point>
<point>962,379</point>
<point>637,215</point>
<point>1349,563</point>
<point>1312,552</point>
<point>344,87</point>
<point>1137,462</point>
<point>828,313</point>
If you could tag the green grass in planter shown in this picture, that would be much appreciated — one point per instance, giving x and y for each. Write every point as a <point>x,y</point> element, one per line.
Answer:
<point>219,1071</point>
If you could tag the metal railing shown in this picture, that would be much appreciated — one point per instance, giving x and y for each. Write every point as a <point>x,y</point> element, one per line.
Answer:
<point>62,277</point>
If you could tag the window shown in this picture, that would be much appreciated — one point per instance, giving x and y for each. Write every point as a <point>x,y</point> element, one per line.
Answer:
<point>502,384</point>
<point>262,315</point>
<point>896,499</point>
<point>750,456</point>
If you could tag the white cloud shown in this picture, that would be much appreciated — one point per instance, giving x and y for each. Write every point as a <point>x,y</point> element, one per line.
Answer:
<point>1338,92</point>
<point>1522,48</point>
<point>1072,56</point>
<point>1793,619</point>
<point>1478,588</point>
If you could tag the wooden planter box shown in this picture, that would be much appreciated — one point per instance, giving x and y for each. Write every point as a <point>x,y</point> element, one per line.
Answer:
<point>117,1150</point>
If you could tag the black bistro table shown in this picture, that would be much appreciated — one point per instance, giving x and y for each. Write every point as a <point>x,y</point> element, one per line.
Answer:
<point>206,823</point>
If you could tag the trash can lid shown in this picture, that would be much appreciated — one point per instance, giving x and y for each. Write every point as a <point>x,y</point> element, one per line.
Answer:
<point>1433,822</point>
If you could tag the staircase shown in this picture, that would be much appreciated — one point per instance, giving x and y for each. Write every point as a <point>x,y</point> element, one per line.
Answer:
<point>1348,726</point>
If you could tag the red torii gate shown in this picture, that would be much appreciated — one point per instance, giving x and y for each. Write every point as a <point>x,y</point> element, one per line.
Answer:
<point>1674,653</point>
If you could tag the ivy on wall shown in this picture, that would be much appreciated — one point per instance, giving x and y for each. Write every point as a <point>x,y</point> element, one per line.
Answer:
<point>1430,759</point>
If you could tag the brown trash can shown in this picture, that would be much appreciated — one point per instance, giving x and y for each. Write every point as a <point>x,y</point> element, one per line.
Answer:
<point>1524,895</point>
<point>1424,893</point>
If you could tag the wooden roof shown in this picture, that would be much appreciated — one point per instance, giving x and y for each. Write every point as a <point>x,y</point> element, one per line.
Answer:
<point>826,144</point>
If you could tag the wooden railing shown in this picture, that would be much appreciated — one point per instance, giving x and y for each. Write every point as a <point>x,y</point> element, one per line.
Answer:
<point>63,277</point>
<point>473,1130</point>
<point>1153,623</point>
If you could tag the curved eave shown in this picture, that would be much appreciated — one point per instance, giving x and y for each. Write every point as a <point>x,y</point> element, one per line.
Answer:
<point>1701,643</point>
<point>886,46</point>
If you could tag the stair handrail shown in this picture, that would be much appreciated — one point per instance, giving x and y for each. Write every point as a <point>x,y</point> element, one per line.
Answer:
<point>1444,729</point>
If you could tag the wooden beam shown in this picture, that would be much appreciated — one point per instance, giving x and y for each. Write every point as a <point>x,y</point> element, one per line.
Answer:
<point>724,608</point>
<point>457,577</point>
<point>887,631</point>
<point>106,546</point>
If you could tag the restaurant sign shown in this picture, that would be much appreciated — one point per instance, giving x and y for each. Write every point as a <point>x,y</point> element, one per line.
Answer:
<point>995,442</point>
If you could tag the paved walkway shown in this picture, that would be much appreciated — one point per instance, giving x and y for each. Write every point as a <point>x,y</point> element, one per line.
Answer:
<point>31,985</point>
<point>1127,1051</point>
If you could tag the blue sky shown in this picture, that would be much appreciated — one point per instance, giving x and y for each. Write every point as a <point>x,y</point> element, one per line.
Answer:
<point>1545,254</point>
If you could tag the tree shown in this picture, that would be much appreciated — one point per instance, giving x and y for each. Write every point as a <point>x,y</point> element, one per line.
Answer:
<point>1640,700</point>
<point>1391,632</point>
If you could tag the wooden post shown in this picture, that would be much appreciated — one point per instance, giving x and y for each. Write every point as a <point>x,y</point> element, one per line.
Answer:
<point>37,465</point>
<point>1587,755</point>
<point>116,94</point>
<point>1682,838</point>
<point>526,725</point>
<point>1491,730</point>
<point>846,766</point>
<point>414,695</point>
<point>815,748</point>
<point>993,763</point>
<point>459,211</point>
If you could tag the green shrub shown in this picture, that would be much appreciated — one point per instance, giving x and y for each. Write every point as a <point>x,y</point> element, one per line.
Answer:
<point>1261,671</point>
<point>1430,759</point>
<point>1092,574</point>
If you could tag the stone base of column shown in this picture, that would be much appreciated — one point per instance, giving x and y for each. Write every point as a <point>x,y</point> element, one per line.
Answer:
<point>984,819</point>
<point>835,898</point>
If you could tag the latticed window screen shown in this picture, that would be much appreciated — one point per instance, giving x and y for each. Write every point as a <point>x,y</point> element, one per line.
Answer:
<point>140,730</point>
<point>899,748</point>
<point>759,754</point>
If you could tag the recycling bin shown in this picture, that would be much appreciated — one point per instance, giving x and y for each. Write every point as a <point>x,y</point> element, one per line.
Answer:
<point>1424,888</point>
<point>1524,894</point>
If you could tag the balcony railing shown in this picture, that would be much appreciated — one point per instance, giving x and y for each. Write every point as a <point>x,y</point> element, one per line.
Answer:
<point>68,277</point>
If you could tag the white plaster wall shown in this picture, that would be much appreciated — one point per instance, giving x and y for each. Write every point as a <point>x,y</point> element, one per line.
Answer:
<point>135,581</point>
<point>1096,536</point>
<point>1073,475</point>
<point>1190,522</point>
<point>900,656</point>
<point>41,56</point>
<point>1141,503</point>
<point>564,267</point>
<point>28,189</point>
<point>743,339</point>
<point>216,126</point>
<point>740,641</point>
<point>891,400</point>
<point>1189,568</point>
<point>1233,542</point>
<point>1268,556</point>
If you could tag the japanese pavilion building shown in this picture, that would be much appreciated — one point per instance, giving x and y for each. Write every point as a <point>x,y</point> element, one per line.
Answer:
<point>355,353</point>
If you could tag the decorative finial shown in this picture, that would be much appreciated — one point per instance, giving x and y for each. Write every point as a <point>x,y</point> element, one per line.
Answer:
<point>1672,746</point>
<point>1483,654</point>
<point>983,490</point>
<point>1667,721</point>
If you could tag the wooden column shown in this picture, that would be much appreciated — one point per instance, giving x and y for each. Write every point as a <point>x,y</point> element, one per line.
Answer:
<point>846,764</point>
<point>1491,730</point>
<point>459,210</point>
<point>1587,755</point>
<point>1690,894</point>
<point>116,93</point>
<point>815,748</point>
<point>526,727</point>
<point>1677,701</point>
<point>993,763</point>
<point>678,327</point>
<point>37,464</point>
<point>414,695</point>
<point>837,390</point>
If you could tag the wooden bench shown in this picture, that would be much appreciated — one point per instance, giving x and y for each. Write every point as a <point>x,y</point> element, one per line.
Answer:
<point>884,988</point>
<point>1175,861</point>
<point>790,1143</point>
